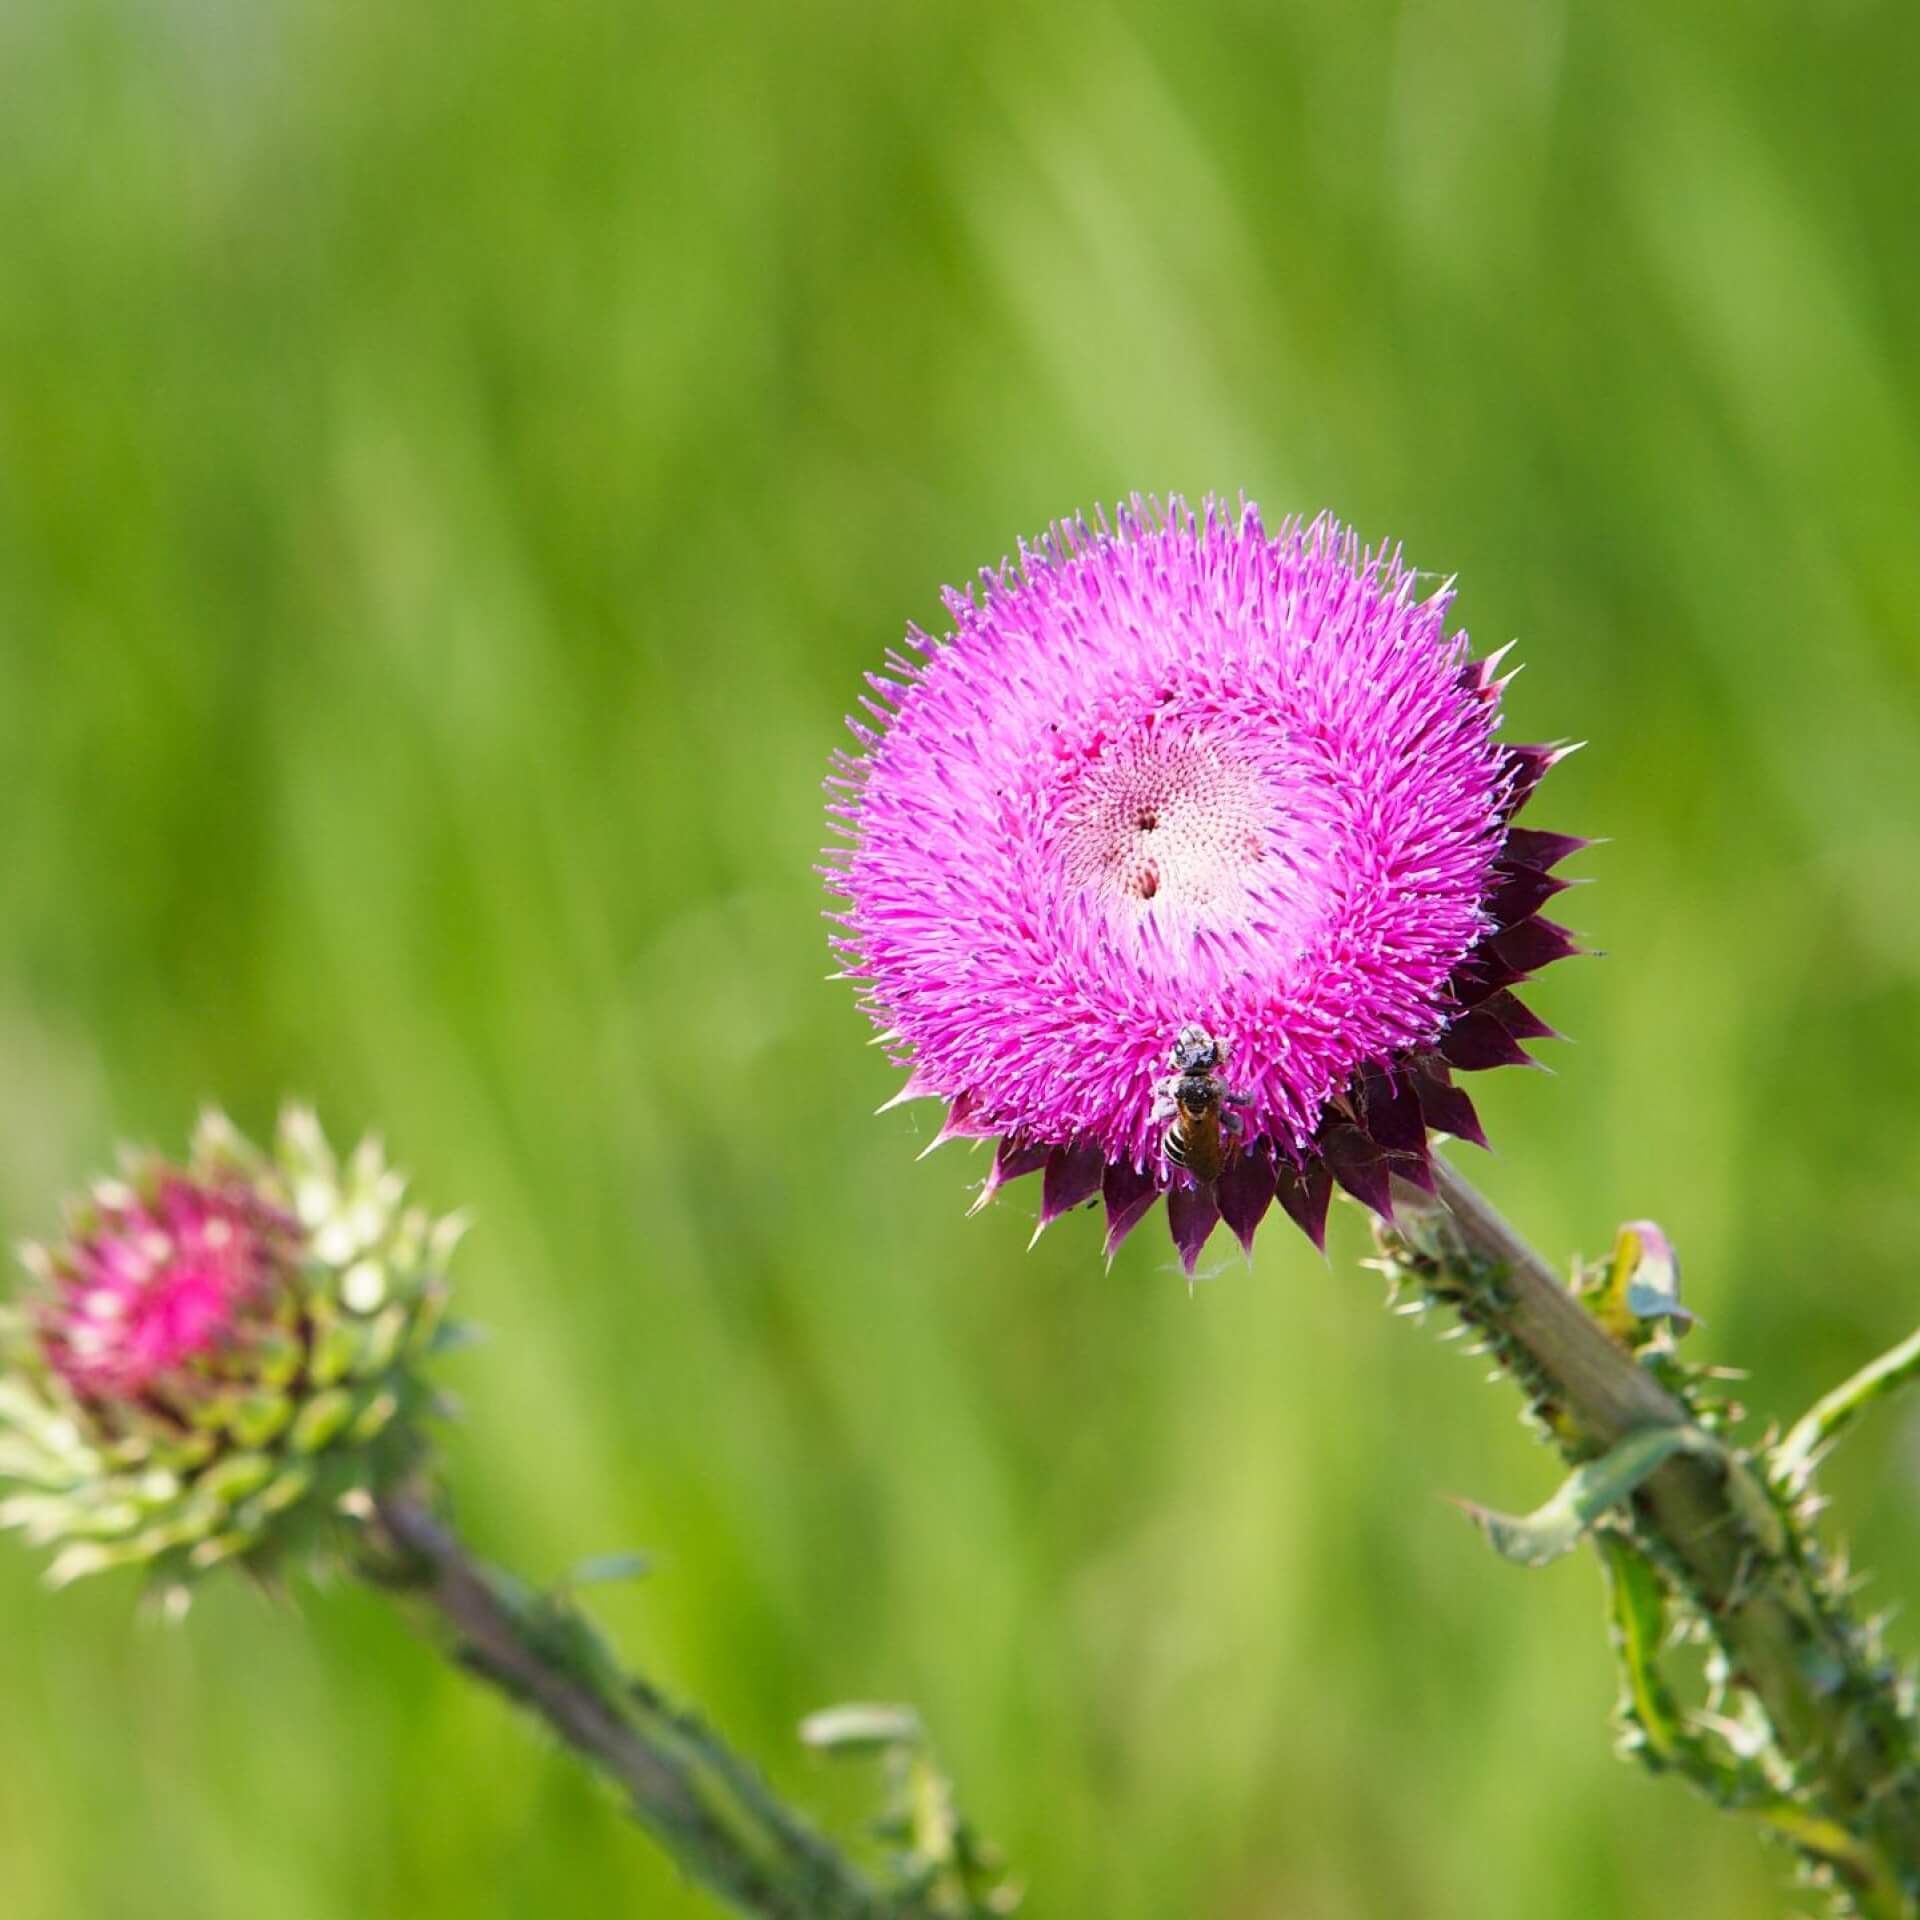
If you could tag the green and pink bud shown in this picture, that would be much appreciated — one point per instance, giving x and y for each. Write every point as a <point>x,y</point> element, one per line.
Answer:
<point>219,1361</point>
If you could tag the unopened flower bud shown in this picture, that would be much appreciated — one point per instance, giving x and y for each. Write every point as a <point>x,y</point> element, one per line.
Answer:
<point>217,1361</point>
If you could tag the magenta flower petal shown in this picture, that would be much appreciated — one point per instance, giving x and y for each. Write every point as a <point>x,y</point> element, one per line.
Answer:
<point>160,1282</point>
<point>1177,772</point>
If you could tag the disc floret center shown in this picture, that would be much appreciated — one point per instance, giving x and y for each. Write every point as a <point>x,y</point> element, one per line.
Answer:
<point>1165,828</point>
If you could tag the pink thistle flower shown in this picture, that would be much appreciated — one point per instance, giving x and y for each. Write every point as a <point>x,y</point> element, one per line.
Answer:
<point>156,1287</point>
<point>1180,772</point>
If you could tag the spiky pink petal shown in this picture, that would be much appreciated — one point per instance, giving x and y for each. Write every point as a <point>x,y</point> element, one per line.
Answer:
<point>157,1281</point>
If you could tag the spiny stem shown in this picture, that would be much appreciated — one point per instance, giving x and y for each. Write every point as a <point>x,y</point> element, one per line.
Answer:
<point>1726,1545</point>
<point>707,1807</point>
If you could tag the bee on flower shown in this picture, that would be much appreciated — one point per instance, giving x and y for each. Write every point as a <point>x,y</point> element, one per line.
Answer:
<point>1196,1102</point>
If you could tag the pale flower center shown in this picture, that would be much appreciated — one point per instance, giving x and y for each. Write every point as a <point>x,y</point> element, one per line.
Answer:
<point>1167,829</point>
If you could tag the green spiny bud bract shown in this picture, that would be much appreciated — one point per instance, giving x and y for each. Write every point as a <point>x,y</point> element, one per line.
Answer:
<point>219,1361</point>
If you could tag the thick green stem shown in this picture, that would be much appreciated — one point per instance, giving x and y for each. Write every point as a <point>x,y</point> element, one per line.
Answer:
<point>708,1808</point>
<point>1787,1635</point>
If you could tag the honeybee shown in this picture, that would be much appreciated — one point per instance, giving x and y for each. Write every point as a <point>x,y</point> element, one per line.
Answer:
<point>1194,1100</point>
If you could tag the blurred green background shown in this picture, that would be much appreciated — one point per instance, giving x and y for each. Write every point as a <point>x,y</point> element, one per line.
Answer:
<point>455,463</point>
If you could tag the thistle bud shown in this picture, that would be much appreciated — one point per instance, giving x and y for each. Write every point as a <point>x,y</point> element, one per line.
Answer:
<point>218,1361</point>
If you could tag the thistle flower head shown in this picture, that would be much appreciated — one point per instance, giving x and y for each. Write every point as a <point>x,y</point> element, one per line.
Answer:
<point>156,1285</point>
<point>216,1356</point>
<point>1177,772</point>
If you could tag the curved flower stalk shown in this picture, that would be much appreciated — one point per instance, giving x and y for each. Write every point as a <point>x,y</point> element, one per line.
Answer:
<point>1177,775</point>
<point>220,1364</point>
<point>710,1809</point>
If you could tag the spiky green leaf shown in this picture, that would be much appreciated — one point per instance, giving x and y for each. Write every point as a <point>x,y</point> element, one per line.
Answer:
<point>1538,1538</point>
